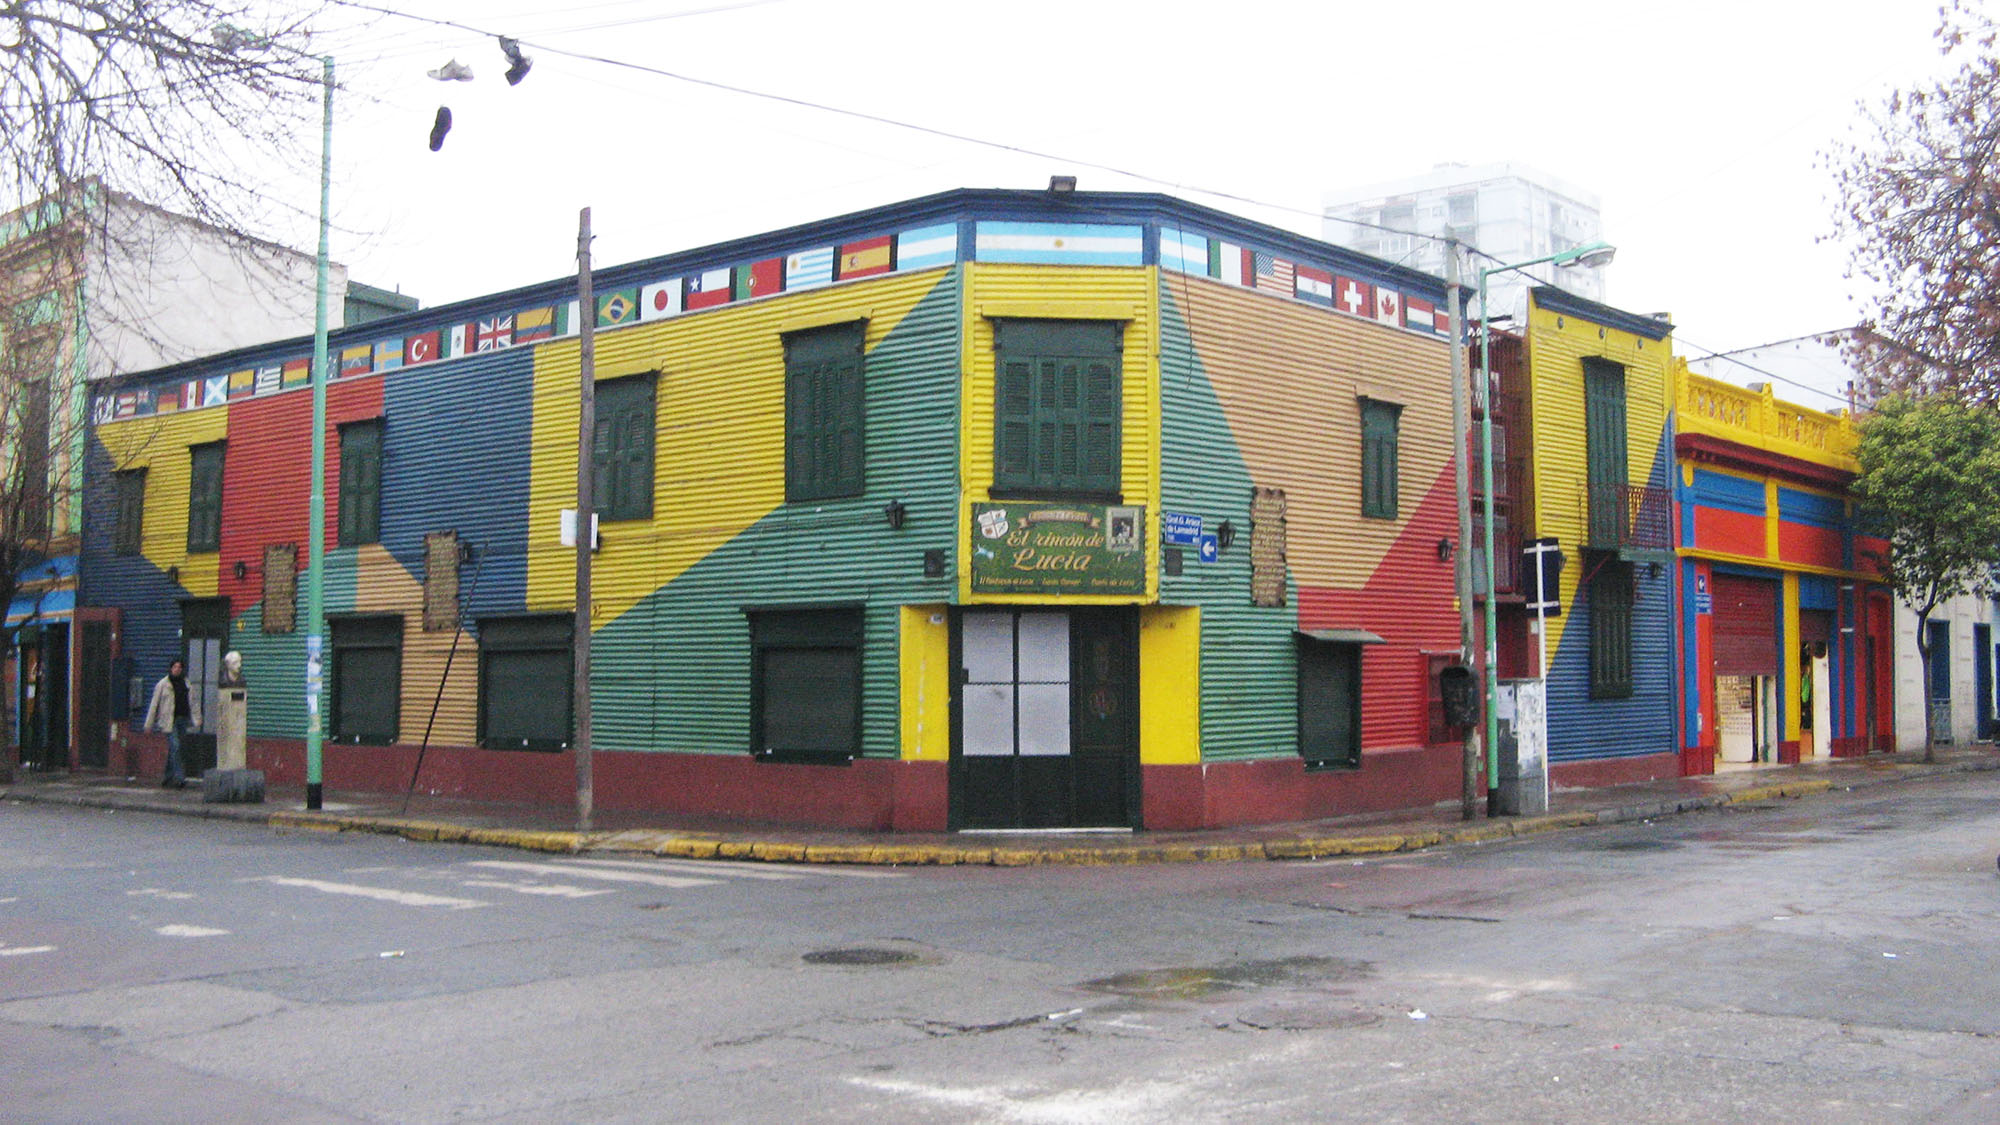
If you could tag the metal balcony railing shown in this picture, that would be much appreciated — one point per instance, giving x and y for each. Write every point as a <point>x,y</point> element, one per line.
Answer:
<point>1621,516</point>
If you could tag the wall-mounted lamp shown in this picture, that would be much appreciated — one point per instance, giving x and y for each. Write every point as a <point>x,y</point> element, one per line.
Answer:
<point>895,513</point>
<point>174,575</point>
<point>1062,185</point>
<point>1652,570</point>
<point>464,551</point>
<point>934,563</point>
<point>241,570</point>
<point>1225,534</point>
<point>1444,550</point>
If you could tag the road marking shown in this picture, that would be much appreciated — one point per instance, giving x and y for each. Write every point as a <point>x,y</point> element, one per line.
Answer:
<point>383,894</point>
<point>578,871</point>
<point>558,890</point>
<point>178,930</point>
<point>23,950</point>
<point>4,900</point>
<point>155,892</point>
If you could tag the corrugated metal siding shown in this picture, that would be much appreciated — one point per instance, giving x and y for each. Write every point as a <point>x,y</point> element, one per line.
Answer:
<point>150,625</point>
<point>671,669</point>
<point>1265,393</point>
<point>1070,292</point>
<point>1581,727</point>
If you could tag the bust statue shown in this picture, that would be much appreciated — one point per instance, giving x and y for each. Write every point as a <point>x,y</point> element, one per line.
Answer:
<point>232,670</point>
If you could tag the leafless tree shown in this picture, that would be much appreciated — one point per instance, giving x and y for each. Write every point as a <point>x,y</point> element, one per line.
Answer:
<point>180,112</point>
<point>1920,204</point>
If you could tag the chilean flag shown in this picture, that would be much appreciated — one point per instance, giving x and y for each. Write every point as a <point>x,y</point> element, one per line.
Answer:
<point>707,290</point>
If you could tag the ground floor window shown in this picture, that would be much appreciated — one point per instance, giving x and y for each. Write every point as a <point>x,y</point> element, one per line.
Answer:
<point>525,673</point>
<point>805,684</point>
<point>367,678</point>
<point>1330,701</point>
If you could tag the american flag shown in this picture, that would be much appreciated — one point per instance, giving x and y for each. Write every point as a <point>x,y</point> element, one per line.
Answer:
<point>1273,274</point>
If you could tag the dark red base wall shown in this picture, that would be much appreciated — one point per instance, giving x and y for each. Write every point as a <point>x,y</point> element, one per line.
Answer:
<point>869,794</point>
<point>1274,790</point>
<point>1600,772</point>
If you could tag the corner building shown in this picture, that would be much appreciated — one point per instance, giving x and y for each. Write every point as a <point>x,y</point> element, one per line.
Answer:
<point>986,509</point>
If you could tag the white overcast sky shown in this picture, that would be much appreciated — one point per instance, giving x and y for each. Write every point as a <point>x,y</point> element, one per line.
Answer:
<point>1699,123</point>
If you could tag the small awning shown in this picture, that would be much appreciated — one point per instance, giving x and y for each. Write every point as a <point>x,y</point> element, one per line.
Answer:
<point>1343,636</point>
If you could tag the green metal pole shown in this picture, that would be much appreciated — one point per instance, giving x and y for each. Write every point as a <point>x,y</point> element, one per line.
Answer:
<point>316,508</point>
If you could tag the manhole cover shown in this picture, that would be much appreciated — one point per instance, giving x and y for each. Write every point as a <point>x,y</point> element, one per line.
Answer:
<point>1306,1017</point>
<point>859,957</point>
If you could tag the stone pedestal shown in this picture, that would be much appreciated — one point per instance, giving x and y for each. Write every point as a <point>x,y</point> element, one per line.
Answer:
<point>230,782</point>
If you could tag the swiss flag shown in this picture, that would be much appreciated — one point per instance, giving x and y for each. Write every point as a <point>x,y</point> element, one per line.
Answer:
<point>1388,306</point>
<point>1352,296</point>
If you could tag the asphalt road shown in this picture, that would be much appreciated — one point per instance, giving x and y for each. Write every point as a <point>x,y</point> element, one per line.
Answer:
<point>1825,960</point>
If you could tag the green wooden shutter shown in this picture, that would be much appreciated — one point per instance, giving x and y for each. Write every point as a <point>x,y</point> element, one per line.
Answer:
<point>825,416</point>
<point>360,519</point>
<point>1611,631</point>
<point>1605,452</point>
<point>129,536</point>
<point>621,464</point>
<point>1379,458</point>
<point>204,532</point>
<point>1058,405</point>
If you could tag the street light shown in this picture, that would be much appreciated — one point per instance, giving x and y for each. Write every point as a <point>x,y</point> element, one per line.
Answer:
<point>1590,255</point>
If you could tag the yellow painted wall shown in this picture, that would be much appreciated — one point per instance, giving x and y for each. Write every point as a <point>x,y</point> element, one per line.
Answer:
<point>1557,345</point>
<point>719,443</point>
<point>924,657</point>
<point>994,291</point>
<point>1169,669</point>
<point>159,445</point>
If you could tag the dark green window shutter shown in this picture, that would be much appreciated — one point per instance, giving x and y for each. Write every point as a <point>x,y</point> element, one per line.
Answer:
<point>366,701</point>
<point>1329,703</point>
<point>205,498</point>
<point>622,449</point>
<point>805,694</point>
<point>1058,406</point>
<point>1379,425</point>
<point>1611,631</point>
<point>825,423</point>
<point>1605,455</point>
<point>129,534</point>
<point>525,674</point>
<point>360,519</point>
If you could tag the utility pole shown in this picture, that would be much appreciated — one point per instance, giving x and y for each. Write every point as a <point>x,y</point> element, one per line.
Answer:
<point>586,515</point>
<point>1472,755</point>
<point>316,653</point>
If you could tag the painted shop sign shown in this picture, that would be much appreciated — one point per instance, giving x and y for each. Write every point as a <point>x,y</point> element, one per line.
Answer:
<point>1058,549</point>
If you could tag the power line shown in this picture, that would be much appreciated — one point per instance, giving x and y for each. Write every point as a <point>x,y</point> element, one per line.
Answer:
<point>879,119</point>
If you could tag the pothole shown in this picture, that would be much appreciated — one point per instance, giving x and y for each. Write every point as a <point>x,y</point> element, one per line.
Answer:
<point>1196,982</point>
<point>863,955</point>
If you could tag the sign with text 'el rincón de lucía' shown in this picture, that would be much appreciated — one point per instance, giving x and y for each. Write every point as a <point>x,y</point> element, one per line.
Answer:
<point>1054,548</point>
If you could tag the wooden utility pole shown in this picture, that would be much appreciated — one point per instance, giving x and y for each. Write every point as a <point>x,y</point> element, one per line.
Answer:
<point>586,515</point>
<point>1461,572</point>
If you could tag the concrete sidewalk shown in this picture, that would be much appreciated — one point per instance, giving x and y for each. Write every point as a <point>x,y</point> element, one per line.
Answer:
<point>550,828</point>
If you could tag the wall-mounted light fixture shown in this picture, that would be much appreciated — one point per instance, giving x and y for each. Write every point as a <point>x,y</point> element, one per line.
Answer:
<point>174,575</point>
<point>895,513</point>
<point>934,563</point>
<point>241,570</point>
<point>1225,534</point>
<point>464,551</point>
<point>1444,550</point>
<point>1062,185</point>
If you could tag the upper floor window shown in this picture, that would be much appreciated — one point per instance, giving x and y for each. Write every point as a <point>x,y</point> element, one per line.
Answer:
<point>128,536</point>
<point>360,483</point>
<point>824,418</point>
<point>1379,452</point>
<point>622,451</point>
<point>1057,406</point>
<point>205,498</point>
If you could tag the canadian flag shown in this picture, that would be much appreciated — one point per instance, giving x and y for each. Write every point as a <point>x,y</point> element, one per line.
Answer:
<point>1388,306</point>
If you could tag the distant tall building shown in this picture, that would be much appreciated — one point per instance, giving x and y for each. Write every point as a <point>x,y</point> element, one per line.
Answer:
<point>1509,211</point>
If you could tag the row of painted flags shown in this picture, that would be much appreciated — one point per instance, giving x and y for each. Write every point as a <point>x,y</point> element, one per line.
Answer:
<point>1197,254</point>
<point>1078,244</point>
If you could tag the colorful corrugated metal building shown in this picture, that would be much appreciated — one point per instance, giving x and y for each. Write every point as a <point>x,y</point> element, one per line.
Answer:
<point>987,509</point>
<point>1581,398</point>
<point>1785,634</point>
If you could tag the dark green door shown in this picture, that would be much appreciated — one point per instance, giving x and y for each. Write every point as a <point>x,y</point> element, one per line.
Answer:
<point>1045,724</point>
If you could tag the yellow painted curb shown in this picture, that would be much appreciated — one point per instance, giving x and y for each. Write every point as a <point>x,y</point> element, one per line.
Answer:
<point>687,849</point>
<point>1531,825</point>
<point>1480,834</point>
<point>1782,789</point>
